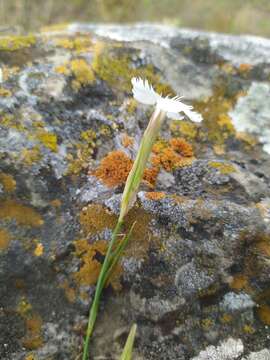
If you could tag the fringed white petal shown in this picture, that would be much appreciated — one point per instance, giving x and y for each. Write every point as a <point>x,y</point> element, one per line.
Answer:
<point>144,92</point>
<point>1,76</point>
<point>174,116</point>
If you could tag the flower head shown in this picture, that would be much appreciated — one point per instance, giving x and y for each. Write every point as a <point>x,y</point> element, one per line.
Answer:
<point>173,107</point>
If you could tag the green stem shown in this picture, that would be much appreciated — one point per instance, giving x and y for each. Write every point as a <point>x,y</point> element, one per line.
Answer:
<point>99,288</point>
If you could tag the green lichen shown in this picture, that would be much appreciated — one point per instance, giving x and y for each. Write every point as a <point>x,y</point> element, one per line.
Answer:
<point>13,43</point>
<point>223,168</point>
<point>217,122</point>
<point>114,65</point>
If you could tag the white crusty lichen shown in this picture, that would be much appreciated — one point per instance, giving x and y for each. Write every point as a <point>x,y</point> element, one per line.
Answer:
<point>228,350</point>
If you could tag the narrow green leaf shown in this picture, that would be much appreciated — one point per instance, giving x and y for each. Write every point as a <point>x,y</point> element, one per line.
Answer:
<point>127,352</point>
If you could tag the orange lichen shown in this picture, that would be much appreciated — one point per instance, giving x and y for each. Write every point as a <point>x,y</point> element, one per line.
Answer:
<point>177,153</point>
<point>95,218</point>
<point>24,215</point>
<point>181,146</point>
<point>90,269</point>
<point>152,195</point>
<point>150,176</point>
<point>127,141</point>
<point>33,339</point>
<point>8,182</point>
<point>70,292</point>
<point>264,314</point>
<point>114,168</point>
<point>263,247</point>
<point>5,239</point>
<point>239,282</point>
<point>243,68</point>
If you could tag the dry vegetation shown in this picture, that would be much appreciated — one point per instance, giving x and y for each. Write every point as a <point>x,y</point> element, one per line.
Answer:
<point>235,16</point>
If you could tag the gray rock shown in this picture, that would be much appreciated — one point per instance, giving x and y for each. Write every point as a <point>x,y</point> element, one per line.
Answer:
<point>63,108</point>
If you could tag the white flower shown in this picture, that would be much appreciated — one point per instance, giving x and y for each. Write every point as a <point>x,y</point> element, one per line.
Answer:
<point>173,107</point>
<point>1,76</point>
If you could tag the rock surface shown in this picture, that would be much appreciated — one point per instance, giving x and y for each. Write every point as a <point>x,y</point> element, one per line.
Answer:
<point>195,276</point>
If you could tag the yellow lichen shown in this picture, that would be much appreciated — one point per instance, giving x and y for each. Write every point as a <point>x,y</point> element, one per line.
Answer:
<point>152,195</point>
<point>82,73</point>
<point>131,105</point>
<point>5,92</point>
<point>31,156</point>
<point>13,43</point>
<point>84,151</point>
<point>24,215</point>
<point>223,168</point>
<point>39,250</point>
<point>127,141</point>
<point>5,239</point>
<point>48,139</point>
<point>10,121</point>
<point>24,307</point>
<point>264,314</point>
<point>63,69</point>
<point>207,323</point>
<point>77,44</point>
<point>215,111</point>
<point>248,329</point>
<point>184,128</point>
<point>8,182</point>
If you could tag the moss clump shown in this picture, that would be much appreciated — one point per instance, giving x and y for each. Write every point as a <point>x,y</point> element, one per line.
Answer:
<point>24,215</point>
<point>5,239</point>
<point>222,167</point>
<point>13,43</point>
<point>9,184</point>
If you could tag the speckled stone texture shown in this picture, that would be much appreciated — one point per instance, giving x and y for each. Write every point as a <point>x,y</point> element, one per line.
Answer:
<point>195,276</point>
